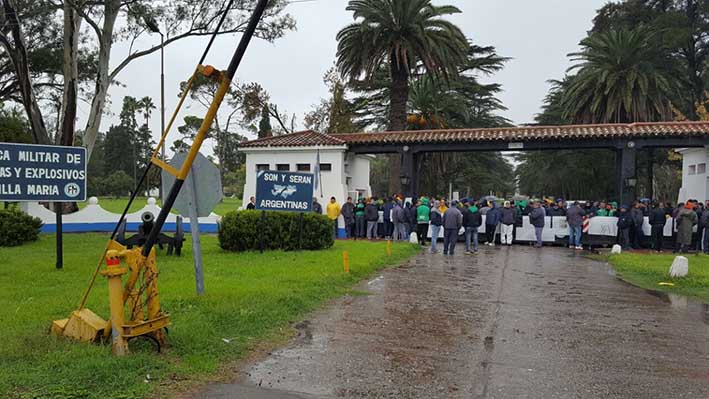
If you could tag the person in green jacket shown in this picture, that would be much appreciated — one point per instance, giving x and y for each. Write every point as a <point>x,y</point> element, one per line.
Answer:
<point>423,212</point>
<point>359,218</point>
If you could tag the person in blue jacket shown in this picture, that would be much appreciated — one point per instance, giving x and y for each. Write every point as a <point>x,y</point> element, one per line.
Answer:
<point>492,219</point>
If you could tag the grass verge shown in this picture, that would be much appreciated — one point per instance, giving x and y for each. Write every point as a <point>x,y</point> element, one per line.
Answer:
<point>249,298</point>
<point>647,270</point>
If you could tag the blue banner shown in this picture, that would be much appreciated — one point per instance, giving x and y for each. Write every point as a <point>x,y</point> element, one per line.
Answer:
<point>284,191</point>
<point>43,173</point>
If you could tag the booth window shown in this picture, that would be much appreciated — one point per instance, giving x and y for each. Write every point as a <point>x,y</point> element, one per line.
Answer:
<point>692,169</point>
<point>262,166</point>
<point>701,168</point>
<point>325,167</point>
<point>283,167</point>
<point>303,167</point>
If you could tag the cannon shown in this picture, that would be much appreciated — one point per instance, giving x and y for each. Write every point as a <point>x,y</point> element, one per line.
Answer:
<point>174,244</point>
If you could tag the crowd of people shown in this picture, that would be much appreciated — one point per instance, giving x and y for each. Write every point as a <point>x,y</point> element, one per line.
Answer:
<point>402,218</point>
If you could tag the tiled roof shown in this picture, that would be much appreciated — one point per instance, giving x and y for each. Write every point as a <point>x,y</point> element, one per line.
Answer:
<point>305,138</point>
<point>506,134</point>
<point>527,133</point>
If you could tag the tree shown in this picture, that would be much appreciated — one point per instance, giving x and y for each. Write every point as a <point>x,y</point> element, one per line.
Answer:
<point>623,76</point>
<point>264,126</point>
<point>15,48</point>
<point>683,27</point>
<point>335,114</point>
<point>14,128</point>
<point>111,21</point>
<point>406,35</point>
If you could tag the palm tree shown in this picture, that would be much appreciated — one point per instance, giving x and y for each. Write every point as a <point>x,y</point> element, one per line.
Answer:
<point>623,76</point>
<point>147,106</point>
<point>406,35</point>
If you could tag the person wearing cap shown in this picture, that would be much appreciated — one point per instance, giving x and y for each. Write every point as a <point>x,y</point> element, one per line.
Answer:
<point>508,223</point>
<point>452,222</point>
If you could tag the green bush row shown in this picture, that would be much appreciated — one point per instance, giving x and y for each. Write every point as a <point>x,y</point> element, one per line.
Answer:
<point>17,228</point>
<point>243,231</point>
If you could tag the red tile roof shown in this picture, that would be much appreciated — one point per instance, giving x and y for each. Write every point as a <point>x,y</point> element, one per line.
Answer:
<point>528,133</point>
<point>307,138</point>
<point>506,134</point>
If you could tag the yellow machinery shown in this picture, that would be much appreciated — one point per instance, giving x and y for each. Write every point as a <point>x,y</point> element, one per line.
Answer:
<point>139,294</point>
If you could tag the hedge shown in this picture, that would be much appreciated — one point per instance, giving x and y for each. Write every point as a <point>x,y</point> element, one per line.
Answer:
<point>243,230</point>
<point>17,228</point>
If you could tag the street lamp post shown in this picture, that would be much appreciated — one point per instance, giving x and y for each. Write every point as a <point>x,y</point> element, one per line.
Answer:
<point>153,26</point>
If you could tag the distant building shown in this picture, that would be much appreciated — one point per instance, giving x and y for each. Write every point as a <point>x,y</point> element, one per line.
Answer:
<point>694,174</point>
<point>342,174</point>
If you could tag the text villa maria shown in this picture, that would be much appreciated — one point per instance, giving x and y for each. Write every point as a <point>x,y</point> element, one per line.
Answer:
<point>32,189</point>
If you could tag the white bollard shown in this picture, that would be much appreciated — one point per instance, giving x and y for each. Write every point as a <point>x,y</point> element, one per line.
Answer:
<point>680,267</point>
<point>616,250</point>
<point>413,238</point>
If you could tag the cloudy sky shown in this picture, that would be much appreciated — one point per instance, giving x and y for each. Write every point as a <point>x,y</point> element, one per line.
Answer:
<point>537,35</point>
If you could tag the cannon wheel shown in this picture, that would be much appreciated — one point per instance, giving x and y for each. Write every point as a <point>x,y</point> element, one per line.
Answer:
<point>179,236</point>
<point>153,341</point>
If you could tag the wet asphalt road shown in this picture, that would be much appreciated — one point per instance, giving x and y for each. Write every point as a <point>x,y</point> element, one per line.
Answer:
<point>507,323</point>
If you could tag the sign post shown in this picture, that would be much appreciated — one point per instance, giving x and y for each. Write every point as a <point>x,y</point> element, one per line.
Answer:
<point>43,173</point>
<point>202,192</point>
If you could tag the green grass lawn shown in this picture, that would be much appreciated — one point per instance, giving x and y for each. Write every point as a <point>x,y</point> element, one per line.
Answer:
<point>250,299</point>
<point>646,270</point>
<point>116,205</point>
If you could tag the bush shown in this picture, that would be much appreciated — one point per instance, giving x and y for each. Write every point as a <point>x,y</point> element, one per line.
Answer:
<point>242,231</point>
<point>17,228</point>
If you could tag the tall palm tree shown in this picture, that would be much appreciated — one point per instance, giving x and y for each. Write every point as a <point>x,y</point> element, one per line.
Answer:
<point>623,76</point>
<point>147,106</point>
<point>405,35</point>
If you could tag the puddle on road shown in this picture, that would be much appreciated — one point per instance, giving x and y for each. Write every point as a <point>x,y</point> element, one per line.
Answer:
<point>692,306</point>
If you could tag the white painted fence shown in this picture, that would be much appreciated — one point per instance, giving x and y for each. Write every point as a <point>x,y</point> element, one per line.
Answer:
<point>93,218</point>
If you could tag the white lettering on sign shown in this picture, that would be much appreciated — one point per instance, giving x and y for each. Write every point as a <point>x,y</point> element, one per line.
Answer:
<point>42,189</point>
<point>73,158</point>
<point>10,189</point>
<point>270,177</point>
<point>6,172</point>
<point>4,155</point>
<point>278,204</point>
<point>47,157</point>
<point>298,179</point>
<point>63,174</point>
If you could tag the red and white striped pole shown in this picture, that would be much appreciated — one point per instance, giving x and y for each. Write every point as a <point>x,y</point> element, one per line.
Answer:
<point>586,224</point>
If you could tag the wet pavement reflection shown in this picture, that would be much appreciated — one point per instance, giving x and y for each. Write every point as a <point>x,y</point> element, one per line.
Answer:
<point>509,322</point>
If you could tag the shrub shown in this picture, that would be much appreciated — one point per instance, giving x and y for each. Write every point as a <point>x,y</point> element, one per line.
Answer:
<point>16,228</point>
<point>242,231</point>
